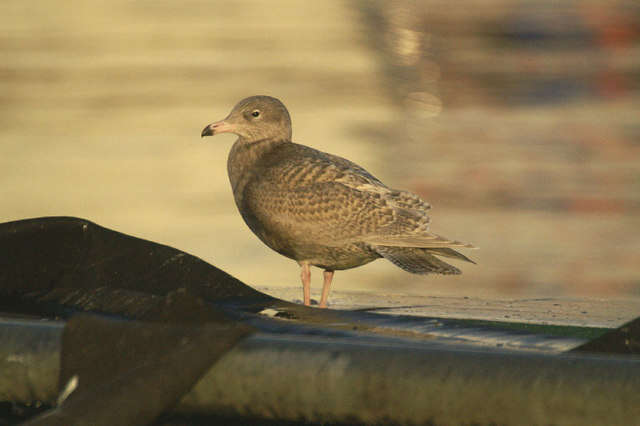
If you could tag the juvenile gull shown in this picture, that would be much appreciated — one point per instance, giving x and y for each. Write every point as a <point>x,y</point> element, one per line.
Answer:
<point>320,209</point>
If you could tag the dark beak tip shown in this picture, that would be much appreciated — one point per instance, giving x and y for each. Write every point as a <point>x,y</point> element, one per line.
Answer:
<point>207,131</point>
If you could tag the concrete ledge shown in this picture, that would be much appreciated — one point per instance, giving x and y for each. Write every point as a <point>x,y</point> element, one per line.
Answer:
<point>581,312</point>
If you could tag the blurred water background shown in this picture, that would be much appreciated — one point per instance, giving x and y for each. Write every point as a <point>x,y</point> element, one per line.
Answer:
<point>518,120</point>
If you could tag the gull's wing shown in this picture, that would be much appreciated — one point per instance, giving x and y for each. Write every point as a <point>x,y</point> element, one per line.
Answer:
<point>328,200</point>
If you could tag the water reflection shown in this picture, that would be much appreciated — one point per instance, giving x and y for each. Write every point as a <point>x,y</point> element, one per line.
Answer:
<point>517,120</point>
<point>519,114</point>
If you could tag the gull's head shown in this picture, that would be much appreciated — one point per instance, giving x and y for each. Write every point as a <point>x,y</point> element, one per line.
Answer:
<point>253,119</point>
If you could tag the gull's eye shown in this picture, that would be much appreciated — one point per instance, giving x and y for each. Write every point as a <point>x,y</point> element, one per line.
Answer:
<point>255,113</point>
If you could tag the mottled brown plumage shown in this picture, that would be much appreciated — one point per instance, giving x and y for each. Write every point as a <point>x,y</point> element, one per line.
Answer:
<point>320,209</point>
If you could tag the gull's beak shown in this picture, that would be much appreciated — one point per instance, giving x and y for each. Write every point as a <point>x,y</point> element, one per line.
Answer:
<point>217,127</point>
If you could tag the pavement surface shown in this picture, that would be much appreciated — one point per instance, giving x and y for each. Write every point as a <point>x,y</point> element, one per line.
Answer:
<point>583,312</point>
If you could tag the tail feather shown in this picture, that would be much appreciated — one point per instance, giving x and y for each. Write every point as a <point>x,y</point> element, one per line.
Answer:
<point>420,260</point>
<point>449,252</point>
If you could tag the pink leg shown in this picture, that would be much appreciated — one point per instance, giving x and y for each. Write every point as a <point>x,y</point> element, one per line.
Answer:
<point>328,276</point>
<point>305,275</point>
